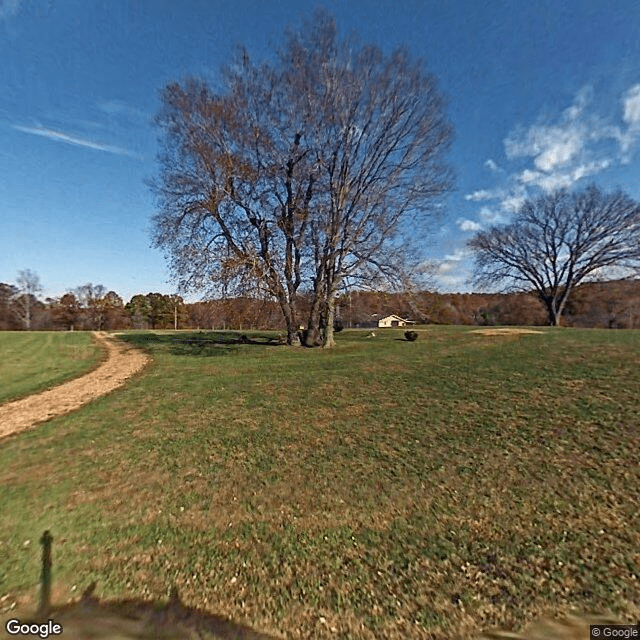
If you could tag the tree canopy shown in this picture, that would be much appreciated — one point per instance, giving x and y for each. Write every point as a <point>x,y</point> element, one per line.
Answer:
<point>299,173</point>
<point>558,241</point>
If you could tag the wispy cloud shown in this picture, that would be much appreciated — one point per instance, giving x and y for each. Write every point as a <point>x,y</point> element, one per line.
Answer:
<point>468,225</point>
<point>551,147</point>
<point>509,201</point>
<point>120,108</point>
<point>579,143</point>
<point>631,107</point>
<point>512,199</point>
<point>60,136</point>
<point>563,179</point>
<point>492,165</point>
<point>492,216</point>
<point>457,255</point>
<point>481,194</point>
<point>628,138</point>
<point>9,8</point>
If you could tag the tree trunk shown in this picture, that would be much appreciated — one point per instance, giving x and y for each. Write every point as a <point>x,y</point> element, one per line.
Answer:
<point>329,341</point>
<point>554,316</point>
<point>554,313</point>
<point>293,337</point>
<point>313,338</point>
<point>290,318</point>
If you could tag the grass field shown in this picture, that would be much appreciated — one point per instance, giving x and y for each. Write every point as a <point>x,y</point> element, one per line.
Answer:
<point>385,489</point>
<point>34,360</point>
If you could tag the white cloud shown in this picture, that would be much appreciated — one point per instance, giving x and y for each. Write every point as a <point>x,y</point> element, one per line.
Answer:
<point>513,201</point>
<point>591,167</point>
<point>452,271</point>
<point>468,225</point>
<point>631,107</point>
<point>581,101</point>
<point>557,153</point>
<point>559,148</point>
<point>550,147</point>
<point>561,180</point>
<point>9,8</point>
<point>481,194</point>
<point>452,282</point>
<point>490,216</point>
<point>553,146</point>
<point>60,136</point>
<point>446,267</point>
<point>457,255</point>
<point>577,145</point>
<point>491,165</point>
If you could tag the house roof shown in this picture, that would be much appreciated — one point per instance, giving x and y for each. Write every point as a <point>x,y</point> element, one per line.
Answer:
<point>394,317</point>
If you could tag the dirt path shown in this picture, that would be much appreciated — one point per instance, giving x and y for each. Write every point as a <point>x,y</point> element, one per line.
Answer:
<point>122,362</point>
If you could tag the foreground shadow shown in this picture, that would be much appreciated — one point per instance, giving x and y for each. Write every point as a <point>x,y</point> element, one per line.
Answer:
<point>91,619</point>
<point>202,343</point>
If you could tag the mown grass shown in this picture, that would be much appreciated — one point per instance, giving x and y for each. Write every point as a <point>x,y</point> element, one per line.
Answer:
<point>385,489</point>
<point>34,360</point>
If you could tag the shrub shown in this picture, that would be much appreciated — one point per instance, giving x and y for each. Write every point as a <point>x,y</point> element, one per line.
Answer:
<point>411,336</point>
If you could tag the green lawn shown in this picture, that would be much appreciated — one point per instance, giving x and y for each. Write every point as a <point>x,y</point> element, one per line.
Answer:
<point>34,360</point>
<point>385,489</point>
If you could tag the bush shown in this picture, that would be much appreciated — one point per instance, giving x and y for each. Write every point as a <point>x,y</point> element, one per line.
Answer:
<point>411,336</point>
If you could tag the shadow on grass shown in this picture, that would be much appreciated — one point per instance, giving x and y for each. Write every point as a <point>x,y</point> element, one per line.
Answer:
<point>92,619</point>
<point>202,343</point>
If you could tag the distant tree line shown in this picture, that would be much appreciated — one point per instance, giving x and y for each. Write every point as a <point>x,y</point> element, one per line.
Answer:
<point>612,304</point>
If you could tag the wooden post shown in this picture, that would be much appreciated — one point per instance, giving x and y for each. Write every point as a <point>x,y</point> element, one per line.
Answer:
<point>45,586</point>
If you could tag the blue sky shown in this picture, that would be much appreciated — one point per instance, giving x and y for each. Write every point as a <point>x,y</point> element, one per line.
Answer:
<point>542,94</point>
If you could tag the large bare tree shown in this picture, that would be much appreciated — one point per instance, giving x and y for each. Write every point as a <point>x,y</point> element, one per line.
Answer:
<point>558,241</point>
<point>300,172</point>
<point>377,138</point>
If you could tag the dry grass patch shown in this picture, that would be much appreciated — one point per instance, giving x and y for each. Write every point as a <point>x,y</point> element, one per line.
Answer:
<point>504,331</point>
<point>341,499</point>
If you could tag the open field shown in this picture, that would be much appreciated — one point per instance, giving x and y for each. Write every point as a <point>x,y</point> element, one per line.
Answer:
<point>385,489</point>
<point>34,360</point>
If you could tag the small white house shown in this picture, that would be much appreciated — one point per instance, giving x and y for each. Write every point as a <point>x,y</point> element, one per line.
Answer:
<point>394,321</point>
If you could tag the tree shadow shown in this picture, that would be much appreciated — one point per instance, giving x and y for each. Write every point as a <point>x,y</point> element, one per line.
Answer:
<point>203,343</point>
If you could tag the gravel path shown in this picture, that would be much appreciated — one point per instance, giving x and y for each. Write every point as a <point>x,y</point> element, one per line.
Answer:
<point>123,362</point>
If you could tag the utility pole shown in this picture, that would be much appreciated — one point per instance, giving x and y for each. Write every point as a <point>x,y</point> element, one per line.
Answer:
<point>175,317</point>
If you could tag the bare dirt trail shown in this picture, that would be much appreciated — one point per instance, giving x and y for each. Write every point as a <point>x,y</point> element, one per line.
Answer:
<point>122,362</point>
